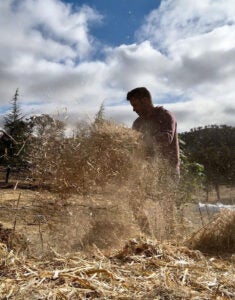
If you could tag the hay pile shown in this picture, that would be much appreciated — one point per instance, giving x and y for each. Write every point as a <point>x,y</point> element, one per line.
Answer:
<point>96,156</point>
<point>106,158</point>
<point>217,237</point>
<point>141,270</point>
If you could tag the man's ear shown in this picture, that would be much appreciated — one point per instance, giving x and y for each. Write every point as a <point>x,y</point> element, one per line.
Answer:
<point>146,100</point>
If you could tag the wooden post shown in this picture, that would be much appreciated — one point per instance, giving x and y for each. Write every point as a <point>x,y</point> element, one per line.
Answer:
<point>8,169</point>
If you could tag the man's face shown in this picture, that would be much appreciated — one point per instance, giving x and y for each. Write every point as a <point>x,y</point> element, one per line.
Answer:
<point>140,106</point>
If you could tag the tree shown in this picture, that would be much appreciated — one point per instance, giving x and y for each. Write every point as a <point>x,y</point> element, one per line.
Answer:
<point>13,119</point>
<point>45,127</point>
<point>213,147</point>
<point>18,129</point>
<point>99,117</point>
<point>191,173</point>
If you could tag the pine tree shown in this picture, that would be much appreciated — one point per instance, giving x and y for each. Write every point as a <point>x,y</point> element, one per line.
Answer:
<point>13,119</point>
<point>16,127</point>
<point>99,117</point>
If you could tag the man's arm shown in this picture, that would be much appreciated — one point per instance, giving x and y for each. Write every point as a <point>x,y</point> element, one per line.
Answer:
<point>167,128</point>
<point>136,124</point>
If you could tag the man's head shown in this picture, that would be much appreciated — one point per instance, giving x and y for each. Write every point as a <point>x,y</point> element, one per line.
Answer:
<point>140,99</point>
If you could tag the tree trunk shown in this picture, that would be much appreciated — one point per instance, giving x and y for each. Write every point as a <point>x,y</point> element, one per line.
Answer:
<point>7,173</point>
<point>217,192</point>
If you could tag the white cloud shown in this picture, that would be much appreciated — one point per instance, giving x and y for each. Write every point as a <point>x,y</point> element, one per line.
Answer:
<point>137,65</point>
<point>200,112</point>
<point>42,42</point>
<point>181,19</point>
<point>47,27</point>
<point>198,38</point>
<point>184,54</point>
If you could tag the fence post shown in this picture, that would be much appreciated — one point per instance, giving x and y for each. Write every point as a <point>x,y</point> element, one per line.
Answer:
<point>8,169</point>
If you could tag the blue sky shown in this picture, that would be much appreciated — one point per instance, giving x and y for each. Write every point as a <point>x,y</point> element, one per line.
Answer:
<point>121,18</point>
<point>68,57</point>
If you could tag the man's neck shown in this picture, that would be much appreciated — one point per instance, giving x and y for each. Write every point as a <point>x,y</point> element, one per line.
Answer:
<point>150,111</point>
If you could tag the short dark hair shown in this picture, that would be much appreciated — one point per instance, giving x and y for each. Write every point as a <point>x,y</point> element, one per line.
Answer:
<point>139,92</point>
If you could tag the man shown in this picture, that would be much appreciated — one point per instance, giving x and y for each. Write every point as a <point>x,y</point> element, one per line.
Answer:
<point>158,126</point>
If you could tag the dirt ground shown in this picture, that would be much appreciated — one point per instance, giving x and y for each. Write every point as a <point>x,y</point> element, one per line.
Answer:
<point>69,251</point>
<point>79,223</point>
<point>104,220</point>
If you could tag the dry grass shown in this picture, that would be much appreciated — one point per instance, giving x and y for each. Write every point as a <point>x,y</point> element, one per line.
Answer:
<point>97,155</point>
<point>141,270</point>
<point>108,159</point>
<point>217,237</point>
<point>103,191</point>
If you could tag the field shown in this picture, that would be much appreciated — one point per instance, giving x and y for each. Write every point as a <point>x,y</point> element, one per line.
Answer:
<point>92,249</point>
<point>104,224</point>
